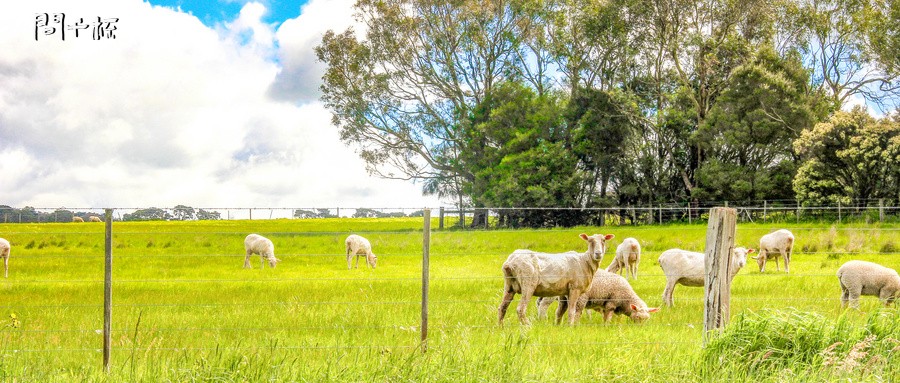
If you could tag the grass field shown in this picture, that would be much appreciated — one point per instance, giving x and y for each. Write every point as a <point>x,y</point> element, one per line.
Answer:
<point>185,309</point>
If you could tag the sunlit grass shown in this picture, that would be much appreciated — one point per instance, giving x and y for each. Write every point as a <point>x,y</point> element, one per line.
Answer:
<point>185,309</point>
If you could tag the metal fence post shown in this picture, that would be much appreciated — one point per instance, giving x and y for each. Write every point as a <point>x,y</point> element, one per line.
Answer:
<point>107,292</point>
<point>881,210</point>
<point>720,234</point>
<point>765,210</point>
<point>426,249</point>
<point>839,211</point>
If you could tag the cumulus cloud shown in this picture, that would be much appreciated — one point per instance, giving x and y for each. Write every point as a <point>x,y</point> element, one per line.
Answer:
<point>301,72</point>
<point>171,112</point>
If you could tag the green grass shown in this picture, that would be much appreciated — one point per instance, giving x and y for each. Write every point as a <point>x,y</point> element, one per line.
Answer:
<point>185,309</point>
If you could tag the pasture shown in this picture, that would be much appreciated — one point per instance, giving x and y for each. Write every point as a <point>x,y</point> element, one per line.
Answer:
<point>184,309</point>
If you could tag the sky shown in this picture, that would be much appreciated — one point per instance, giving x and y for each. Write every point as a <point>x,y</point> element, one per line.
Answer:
<point>201,103</point>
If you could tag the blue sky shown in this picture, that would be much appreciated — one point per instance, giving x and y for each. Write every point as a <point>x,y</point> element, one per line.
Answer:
<point>213,12</point>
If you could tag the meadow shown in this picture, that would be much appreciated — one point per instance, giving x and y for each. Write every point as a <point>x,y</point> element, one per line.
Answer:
<point>184,309</point>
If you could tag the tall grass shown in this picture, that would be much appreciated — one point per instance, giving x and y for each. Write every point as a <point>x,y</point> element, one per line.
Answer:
<point>185,310</point>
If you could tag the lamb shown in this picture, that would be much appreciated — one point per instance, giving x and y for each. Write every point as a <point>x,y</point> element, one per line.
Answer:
<point>4,253</point>
<point>781,241</point>
<point>95,218</point>
<point>688,268</point>
<point>570,274</point>
<point>257,244</point>
<point>611,294</point>
<point>628,255</point>
<point>77,219</point>
<point>867,278</point>
<point>357,245</point>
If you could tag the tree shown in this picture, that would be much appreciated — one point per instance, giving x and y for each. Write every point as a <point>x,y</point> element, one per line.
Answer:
<point>183,213</point>
<point>851,156</point>
<point>750,131</point>
<point>150,214</point>
<point>206,215</point>
<point>851,48</point>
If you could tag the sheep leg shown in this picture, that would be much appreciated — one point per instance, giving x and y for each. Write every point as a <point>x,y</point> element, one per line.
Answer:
<point>787,261</point>
<point>561,308</point>
<point>6,266</point>
<point>356,264</point>
<point>247,260</point>
<point>787,256</point>
<point>667,293</point>
<point>504,304</point>
<point>763,257</point>
<point>845,295</point>
<point>543,304</point>
<point>886,296</point>
<point>854,298</point>
<point>522,309</point>
<point>573,297</point>
<point>580,307</point>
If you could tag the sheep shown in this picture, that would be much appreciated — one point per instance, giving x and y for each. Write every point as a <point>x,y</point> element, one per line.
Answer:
<point>628,255</point>
<point>530,273</point>
<point>688,268</point>
<point>781,241</point>
<point>95,218</point>
<point>357,245</point>
<point>867,278</point>
<point>77,219</point>
<point>4,253</point>
<point>255,243</point>
<point>609,293</point>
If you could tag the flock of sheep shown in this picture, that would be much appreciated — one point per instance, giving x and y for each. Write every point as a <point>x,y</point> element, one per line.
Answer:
<point>577,282</point>
<point>355,246</point>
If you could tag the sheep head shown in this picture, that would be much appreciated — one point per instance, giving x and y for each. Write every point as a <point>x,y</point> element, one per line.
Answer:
<point>640,314</point>
<point>596,244</point>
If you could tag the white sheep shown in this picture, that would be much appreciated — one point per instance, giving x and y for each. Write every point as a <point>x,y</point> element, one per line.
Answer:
<point>257,244</point>
<point>4,253</point>
<point>611,294</point>
<point>688,268</point>
<point>867,278</point>
<point>95,218</point>
<point>628,255</point>
<point>77,219</point>
<point>773,245</point>
<point>359,246</point>
<point>531,273</point>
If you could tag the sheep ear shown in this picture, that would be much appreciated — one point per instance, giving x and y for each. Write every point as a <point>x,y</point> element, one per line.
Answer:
<point>583,236</point>
<point>608,237</point>
<point>750,251</point>
<point>633,307</point>
<point>653,309</point>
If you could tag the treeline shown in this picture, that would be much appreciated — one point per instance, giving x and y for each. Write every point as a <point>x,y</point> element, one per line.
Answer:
<point>582,103</point>
<point>29,214</point>
<point>358,213</point>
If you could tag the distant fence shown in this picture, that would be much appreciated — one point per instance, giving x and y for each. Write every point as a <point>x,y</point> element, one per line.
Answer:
<point>873,210</point>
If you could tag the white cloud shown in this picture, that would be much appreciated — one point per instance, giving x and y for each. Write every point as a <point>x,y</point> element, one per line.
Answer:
<point>172,112</point>
<point>301,72</point>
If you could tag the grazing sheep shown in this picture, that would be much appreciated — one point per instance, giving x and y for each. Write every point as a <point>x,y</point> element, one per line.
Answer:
<point>95,218</point>
<point>357,245</point>
<point>628,255</point>
<point>530,273</point>
<point>77,219</point>
<point>611,294</point>
<point>688,268</point>
<point>867,278</point>
<point>4,253</point>
<point>781,241</point>
<point>257,244</point>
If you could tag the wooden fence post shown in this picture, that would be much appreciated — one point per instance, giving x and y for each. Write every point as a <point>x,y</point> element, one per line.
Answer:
<point>426,249</point>
<point>765,210</point>
<point>881,210</point>
<point>441,218</point>
<point>720,234</point>
<point>107,292</point>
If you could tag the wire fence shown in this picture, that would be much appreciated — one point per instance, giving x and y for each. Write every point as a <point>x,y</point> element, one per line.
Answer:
<point>170,302</point>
